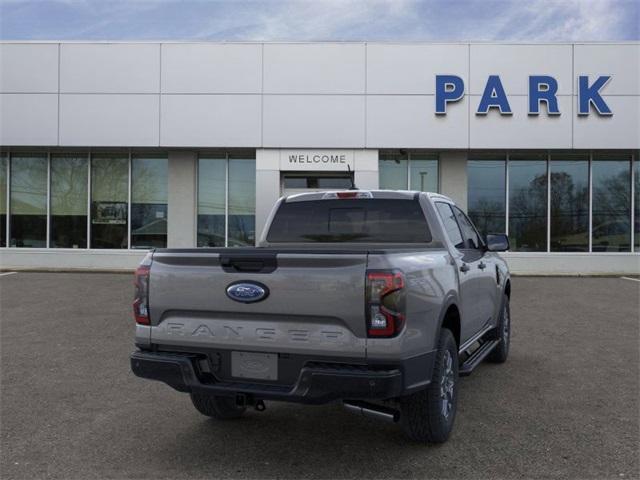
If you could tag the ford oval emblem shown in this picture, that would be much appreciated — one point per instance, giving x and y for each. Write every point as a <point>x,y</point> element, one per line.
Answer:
<point>247,292</point>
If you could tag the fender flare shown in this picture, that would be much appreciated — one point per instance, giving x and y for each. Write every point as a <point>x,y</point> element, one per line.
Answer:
<point>451,298</point>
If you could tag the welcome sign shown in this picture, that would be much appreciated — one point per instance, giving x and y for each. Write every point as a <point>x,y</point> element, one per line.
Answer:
<point>318,160</point>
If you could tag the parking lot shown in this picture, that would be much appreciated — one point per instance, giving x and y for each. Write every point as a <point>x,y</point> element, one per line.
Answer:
<point>565,405</point>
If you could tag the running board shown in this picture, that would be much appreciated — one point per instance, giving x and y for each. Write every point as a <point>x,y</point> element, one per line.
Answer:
<point>477,357</point>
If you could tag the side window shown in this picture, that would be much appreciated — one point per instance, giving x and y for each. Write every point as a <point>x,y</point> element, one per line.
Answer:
<point>471,237</point>
<point>450,224</point>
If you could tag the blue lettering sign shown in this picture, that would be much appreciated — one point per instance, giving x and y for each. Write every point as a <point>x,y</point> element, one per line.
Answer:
<point>543,88</point>
<point>590,95</point>
<point>494,97</point>
<point>449,88</point>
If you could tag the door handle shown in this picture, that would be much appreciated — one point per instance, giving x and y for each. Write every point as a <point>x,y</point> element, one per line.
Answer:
<point>464,268</point>
<point>482,266</point>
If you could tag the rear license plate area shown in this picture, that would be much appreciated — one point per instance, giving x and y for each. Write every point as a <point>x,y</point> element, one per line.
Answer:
<point>255,366</point>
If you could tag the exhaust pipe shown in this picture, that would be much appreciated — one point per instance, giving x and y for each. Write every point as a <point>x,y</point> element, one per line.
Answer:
<point>370,410</point>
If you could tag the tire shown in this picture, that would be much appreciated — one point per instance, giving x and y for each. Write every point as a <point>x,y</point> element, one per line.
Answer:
<point>424,415</point>
<point>220,408</point>
<point>503,333</point>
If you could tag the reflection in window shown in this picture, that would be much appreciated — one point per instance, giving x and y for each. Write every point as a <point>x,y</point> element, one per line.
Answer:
<point>470,237</point>
<point>149,195</point>
<point>611,182</point>
<point>413,171</point>
<point>393,171</point>
<point>109,196</point>
<point>212,173</point>
<point>486,195</point>
<point>28,201</point>
<point>423,173</point>
<point>69,201</point>
<point>450,224</point>
<point>569,203</point>
<point>242,202</point>
<point>339,181</point>
<point>214,230</point>
<point>528,202</point>
<point>3,199</point>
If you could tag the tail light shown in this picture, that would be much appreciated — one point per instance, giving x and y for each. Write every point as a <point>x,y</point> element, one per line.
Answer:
<point>141,297</point>
<point>385,303</point>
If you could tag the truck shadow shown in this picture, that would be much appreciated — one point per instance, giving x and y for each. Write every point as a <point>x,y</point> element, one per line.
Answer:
<point>290,441</point>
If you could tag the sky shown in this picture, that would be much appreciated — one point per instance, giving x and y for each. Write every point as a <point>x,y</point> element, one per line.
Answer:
<point>321,20</point>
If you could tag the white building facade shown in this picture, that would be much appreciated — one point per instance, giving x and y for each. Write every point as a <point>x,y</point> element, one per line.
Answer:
<point>108,149</point>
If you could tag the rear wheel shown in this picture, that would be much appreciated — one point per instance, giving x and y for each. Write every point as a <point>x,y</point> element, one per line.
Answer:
<point>428,415</point>
<point>503,333</point>
<point>220,408</point>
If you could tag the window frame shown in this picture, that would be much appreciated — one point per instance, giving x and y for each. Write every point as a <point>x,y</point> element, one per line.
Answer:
<point>63,154</point>
<point>89,153</point>
<point>633,159</point>
<point>446,232</point>
<point>225,156</point>
<point>481,242</point>
<point>153,156</point>
<point>409,154</point>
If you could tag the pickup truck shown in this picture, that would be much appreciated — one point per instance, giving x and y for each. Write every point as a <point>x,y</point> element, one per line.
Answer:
<point>378,299</point>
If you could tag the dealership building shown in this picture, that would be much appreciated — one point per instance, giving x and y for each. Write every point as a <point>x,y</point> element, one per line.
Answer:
<point>109,149</point>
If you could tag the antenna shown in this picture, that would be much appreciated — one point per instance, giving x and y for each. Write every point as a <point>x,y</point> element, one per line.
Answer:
<point>353,185</point>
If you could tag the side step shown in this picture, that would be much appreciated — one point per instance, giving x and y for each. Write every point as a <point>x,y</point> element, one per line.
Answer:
<point>477,357</point>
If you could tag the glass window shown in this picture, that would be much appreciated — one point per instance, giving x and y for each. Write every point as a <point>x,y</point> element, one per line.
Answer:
<point>469,235</point>
<point>450,224</point>
<point>3,200</point>
<point>149,195</point>
<point>528,202</point>
<point>611,184</point>
<point>487,194</point>
<point>242,202</point>
<point>393,171</point>
<point>334,182</point>
<point>212,173</point>
<point>296,182</point>
<point>362,220</point>
<point>423,172</point>
<point>69,179</point>
<point>28,201</point>
<point>314,181</point>
<point>109,197</point>
<point>636,202</point>
<point>569,203</point>
<point>413,171</point>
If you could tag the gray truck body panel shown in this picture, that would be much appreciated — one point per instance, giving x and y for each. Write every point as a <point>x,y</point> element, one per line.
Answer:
<point>315,309</point>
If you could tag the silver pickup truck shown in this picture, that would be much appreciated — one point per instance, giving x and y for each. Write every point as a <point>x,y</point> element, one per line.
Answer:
<point>379,299</point>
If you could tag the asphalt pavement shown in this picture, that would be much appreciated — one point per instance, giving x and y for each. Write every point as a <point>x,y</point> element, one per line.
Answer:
<point>565,405</point>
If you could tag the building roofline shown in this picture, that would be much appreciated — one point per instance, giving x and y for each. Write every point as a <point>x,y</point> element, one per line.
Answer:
<point>318,42</point>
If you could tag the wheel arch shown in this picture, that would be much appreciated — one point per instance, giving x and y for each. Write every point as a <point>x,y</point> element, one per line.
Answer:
<point>451,320</point>
<point>507,288</point>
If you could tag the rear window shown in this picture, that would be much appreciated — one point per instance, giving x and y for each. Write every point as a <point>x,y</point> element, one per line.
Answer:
<point>355,220</point>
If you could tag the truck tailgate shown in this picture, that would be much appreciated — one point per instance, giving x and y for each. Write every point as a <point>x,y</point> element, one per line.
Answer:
<point>315,303</point>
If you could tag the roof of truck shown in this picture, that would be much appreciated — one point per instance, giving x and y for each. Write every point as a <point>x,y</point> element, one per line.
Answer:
<point>390,194</point>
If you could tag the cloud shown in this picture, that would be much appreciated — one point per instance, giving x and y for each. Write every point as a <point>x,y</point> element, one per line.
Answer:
<point>571,20</point>
<point>331,20</point>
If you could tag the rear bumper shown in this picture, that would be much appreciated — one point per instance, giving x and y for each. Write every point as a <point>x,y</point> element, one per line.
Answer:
<point>317,383</point>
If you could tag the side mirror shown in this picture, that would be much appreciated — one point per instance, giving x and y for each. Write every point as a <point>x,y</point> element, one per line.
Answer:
<point>497,242</point>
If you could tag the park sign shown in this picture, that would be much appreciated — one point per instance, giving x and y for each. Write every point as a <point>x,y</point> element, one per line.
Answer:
<point>542,89</point>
